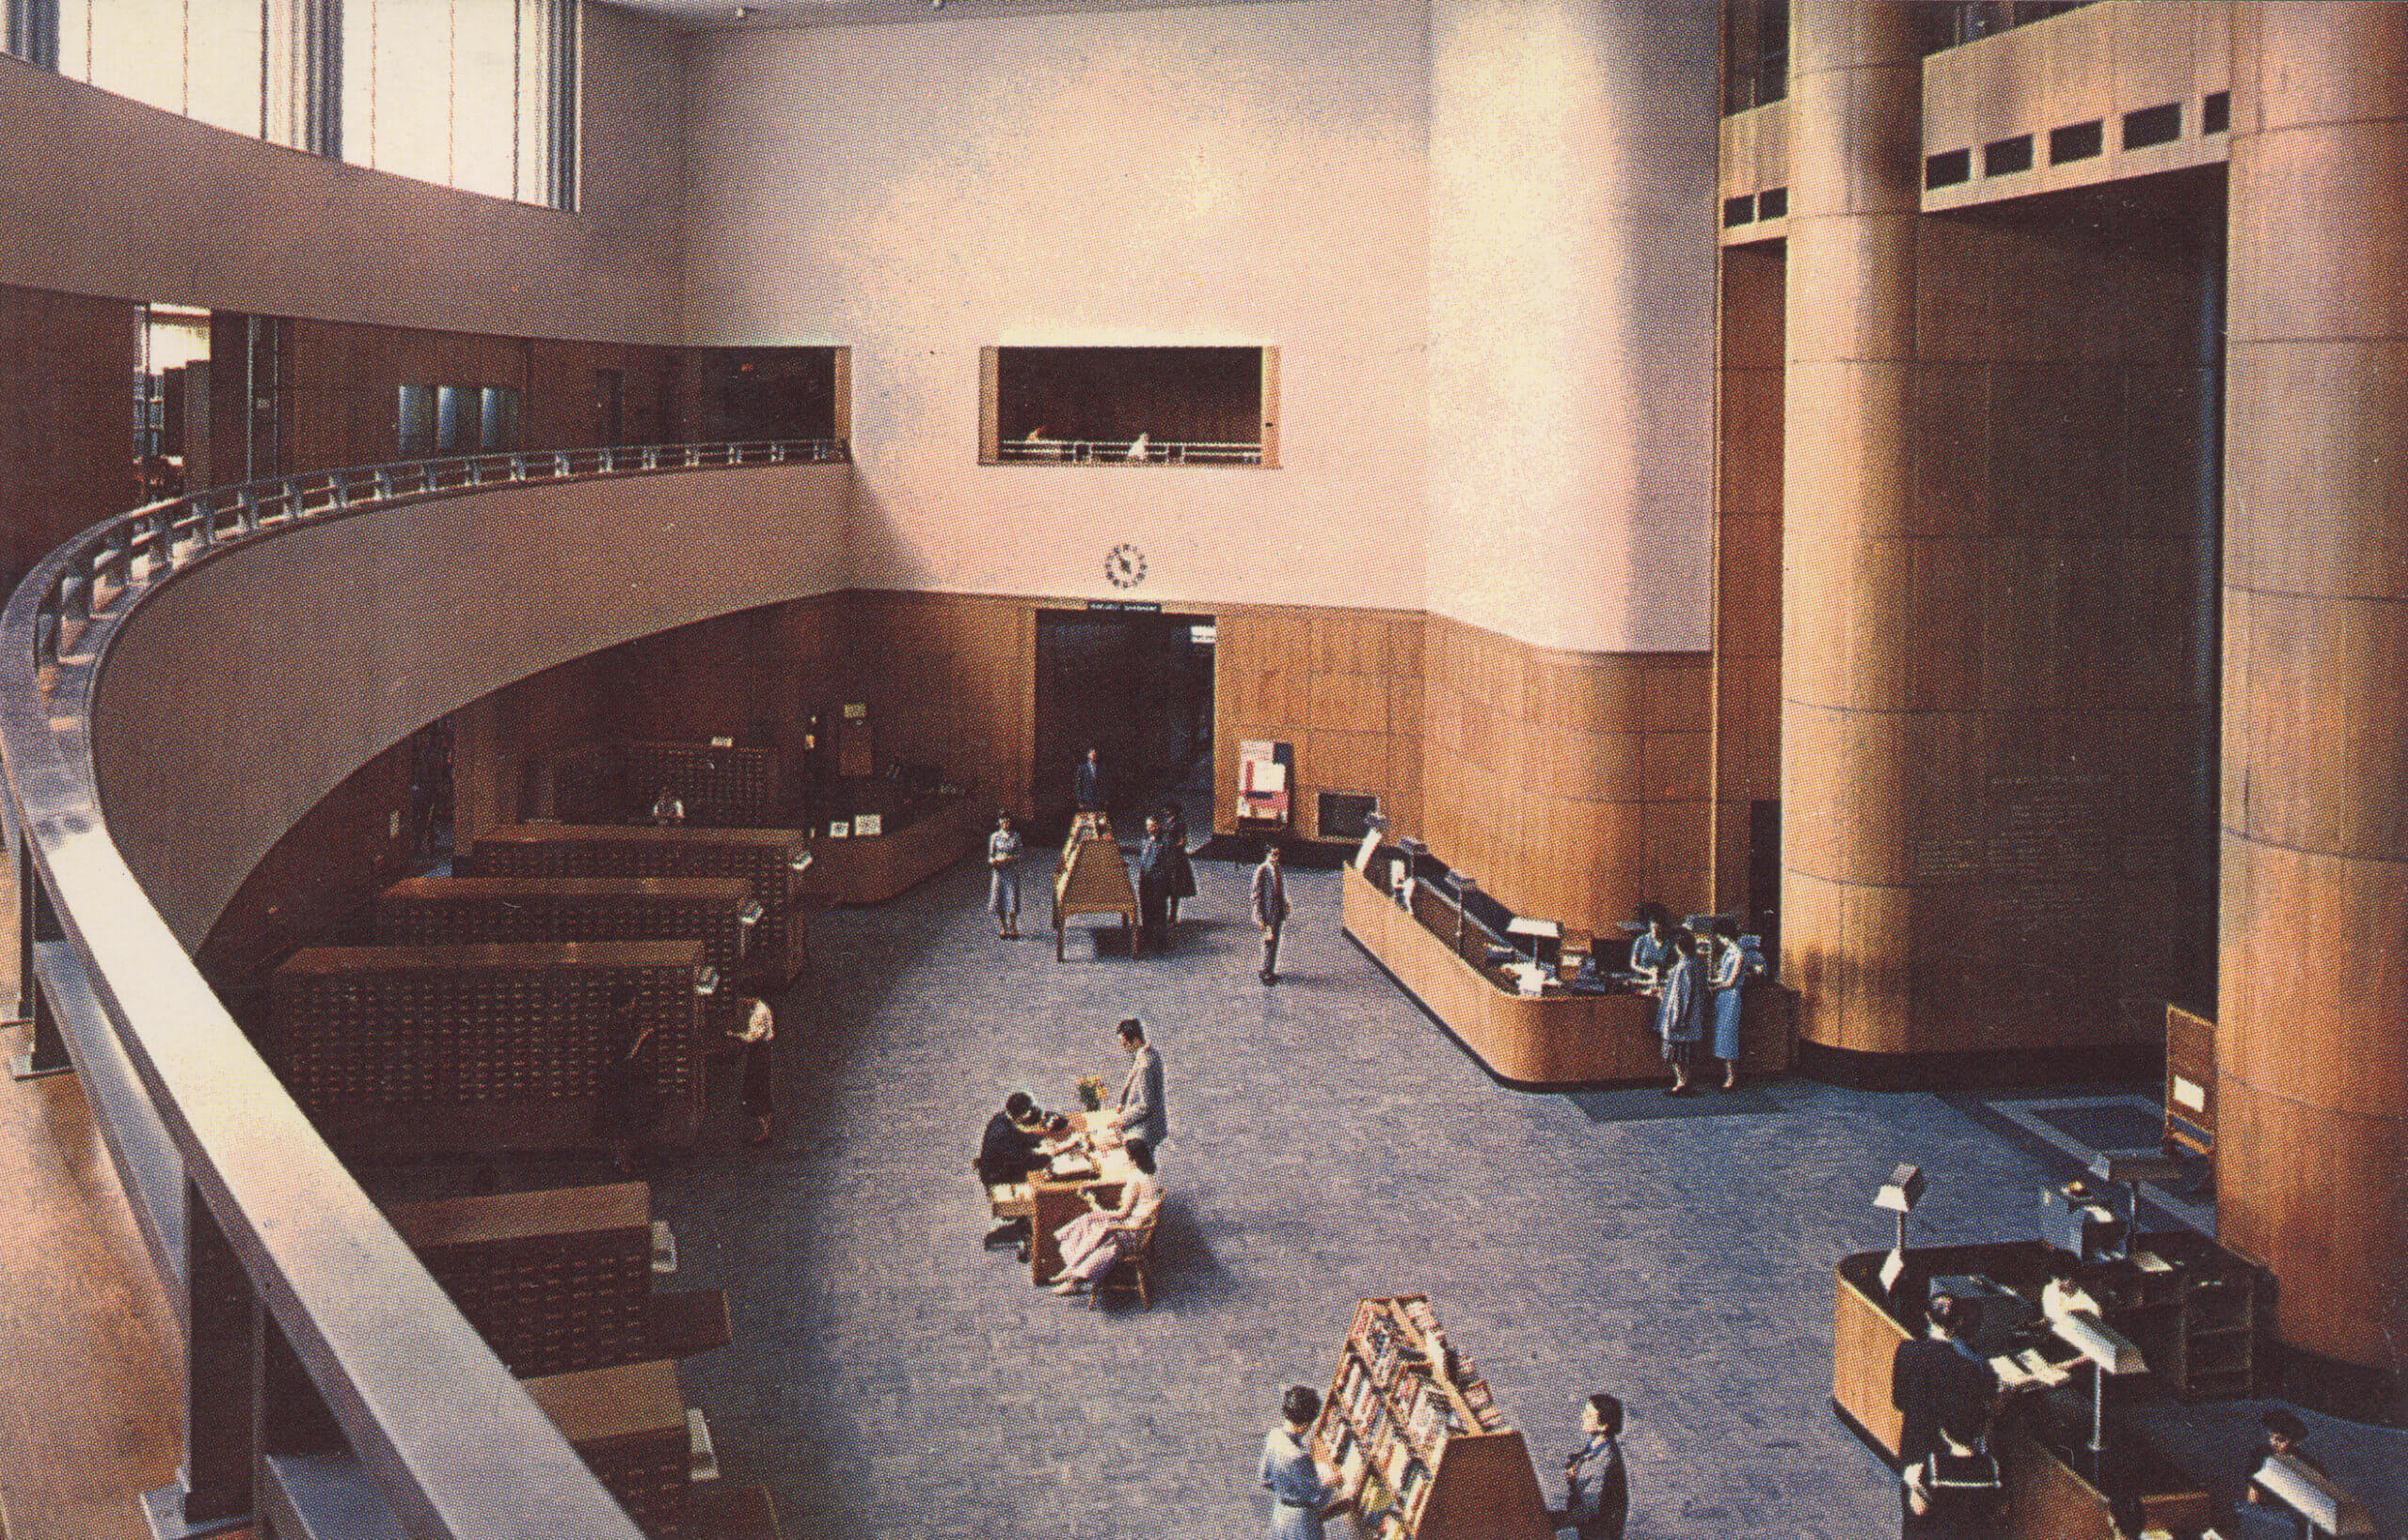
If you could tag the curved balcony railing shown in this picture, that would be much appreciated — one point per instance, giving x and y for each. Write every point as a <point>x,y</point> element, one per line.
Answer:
<point>303,1312</point>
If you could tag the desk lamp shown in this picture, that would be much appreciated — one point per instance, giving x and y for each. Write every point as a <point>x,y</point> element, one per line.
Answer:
<point>706,981</point>
<point>2131,1170</point>
<point>2110,1352</point>
<point>2314,1497</point>
<point>1899,1195</point>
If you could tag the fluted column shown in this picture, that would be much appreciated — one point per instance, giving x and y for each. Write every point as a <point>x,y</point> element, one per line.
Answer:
<point>2312,1000</point>
<point>1855,133</point>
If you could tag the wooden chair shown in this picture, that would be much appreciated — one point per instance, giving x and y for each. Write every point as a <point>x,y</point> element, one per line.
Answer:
<point>1008,1201</point>
<point>1132,1270</point>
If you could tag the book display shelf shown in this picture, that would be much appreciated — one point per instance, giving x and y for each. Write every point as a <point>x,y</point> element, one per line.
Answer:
<point>1425,1452</point>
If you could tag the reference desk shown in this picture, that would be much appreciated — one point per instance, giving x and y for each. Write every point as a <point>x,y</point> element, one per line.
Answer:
<point>2055,1486</point>
<point>1556,1039</point>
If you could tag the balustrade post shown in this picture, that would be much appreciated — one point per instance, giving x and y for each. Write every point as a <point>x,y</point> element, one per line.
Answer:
<point>213,1492</point>
<point>45,1051</point>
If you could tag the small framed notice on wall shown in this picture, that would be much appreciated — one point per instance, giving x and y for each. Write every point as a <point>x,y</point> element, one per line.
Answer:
<point>856,710</point>
<point>868,825</point>
<point>841,828</point>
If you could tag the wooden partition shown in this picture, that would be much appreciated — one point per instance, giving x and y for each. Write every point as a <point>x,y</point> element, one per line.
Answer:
<point>396,1050</point>
<point>771,860</point>
<point>719,786</point>
<point>1554,1040</point>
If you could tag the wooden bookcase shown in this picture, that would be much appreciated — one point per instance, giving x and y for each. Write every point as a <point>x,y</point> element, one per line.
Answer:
<point>1426,1451</point>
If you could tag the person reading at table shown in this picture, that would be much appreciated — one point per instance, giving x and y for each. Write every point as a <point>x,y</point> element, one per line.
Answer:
<point>1093,1241</point>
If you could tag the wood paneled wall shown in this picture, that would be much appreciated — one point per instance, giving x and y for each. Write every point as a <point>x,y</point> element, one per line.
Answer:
<point>341,383</point>
<point>951,680</point>
<point>2312,1010</point>
<point>66,420</point>
<point>1747,561</point>
<point>1999,525</point>
<point>1343,687</point>
<point>1574,786</point>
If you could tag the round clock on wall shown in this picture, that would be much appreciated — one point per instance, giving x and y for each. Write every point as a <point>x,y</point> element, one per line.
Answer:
<point>1125,565</point>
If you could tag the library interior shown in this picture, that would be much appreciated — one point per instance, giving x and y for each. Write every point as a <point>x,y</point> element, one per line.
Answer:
<point>1698,704</point>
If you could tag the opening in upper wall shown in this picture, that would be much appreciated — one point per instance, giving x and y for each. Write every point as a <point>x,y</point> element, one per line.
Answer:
<point>761,394</point>
<point>1129,405</point>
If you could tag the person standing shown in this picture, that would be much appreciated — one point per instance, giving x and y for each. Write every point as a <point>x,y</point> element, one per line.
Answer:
<point>1680,1006</point>
<point>1268,898</point>
<point>1089,790</point>
<point>1003,876</point>
<point>1153,885</point>
<point>1183,870</point>
<point>1142,1113</point>
<point>1303,1487</point>
<point>1734,965</point>
<point>760,1067</point>
<point>1651,950</point>
<point>1596,1487</point>
<point>1937,1379</point>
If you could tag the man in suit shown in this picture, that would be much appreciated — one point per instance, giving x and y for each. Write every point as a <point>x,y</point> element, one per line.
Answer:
<point>1142,1113</point>
<point>1088,788</point>
<point>1939,1379</point>
<point>1596,1487</point>
<point>1156,874</point>
<point>1269,898</point>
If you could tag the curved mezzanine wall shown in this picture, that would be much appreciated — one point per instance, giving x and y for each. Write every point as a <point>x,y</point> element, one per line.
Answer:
<point>248,689</point>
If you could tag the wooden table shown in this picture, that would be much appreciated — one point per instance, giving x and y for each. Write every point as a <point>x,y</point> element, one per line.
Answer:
<point>1057,1202</point>
<point>1091,879</point>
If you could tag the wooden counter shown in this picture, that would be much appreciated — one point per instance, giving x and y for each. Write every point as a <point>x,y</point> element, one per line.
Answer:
<point>872,869</point>
<point>1556,1040</point>
<point>2056,1488</point>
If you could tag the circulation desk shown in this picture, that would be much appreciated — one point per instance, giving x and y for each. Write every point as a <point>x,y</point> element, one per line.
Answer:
<point>1556,1039</point>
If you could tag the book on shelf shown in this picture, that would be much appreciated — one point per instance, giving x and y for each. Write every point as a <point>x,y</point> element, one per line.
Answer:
<point>1392,1469</point>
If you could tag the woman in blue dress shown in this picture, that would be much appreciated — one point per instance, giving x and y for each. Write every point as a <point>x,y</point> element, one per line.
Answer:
<point>1734,965</point>
<point>1680,1011</point>
<point>1002,877</point>
<point>1301,1486</point>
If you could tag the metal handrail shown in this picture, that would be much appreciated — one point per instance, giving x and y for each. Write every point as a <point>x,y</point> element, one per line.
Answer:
<point>1125,451</point>
<point>349,1300</point>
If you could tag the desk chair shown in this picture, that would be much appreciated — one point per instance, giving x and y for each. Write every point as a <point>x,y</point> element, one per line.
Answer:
<point>1012,1203</point>
<point>1132,1270</point>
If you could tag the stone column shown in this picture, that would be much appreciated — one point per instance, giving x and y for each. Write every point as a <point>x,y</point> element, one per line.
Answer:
<point>2312,998</point>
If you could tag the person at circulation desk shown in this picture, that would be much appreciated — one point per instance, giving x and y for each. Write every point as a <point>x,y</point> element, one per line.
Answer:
<point>1093,1241</point>
<point>1680,1011</point>
<point>1733,967</point>
<point>1651,950</point>
<point>1303,1489</point>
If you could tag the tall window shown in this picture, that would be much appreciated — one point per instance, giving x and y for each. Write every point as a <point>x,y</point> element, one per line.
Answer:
<point>481,97</point>
<point>33,32</point>
<point>476,94</point>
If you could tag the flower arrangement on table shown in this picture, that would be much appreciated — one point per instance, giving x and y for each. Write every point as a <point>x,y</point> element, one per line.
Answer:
<point>1091,1089</point>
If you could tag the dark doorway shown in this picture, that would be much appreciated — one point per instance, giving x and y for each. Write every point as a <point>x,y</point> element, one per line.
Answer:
<point>1138,689</point>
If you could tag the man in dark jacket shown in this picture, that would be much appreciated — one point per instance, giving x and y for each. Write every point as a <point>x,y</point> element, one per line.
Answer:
<point>1156,873</point>
<point>1939,1379</point>
<point>1007,1153</point>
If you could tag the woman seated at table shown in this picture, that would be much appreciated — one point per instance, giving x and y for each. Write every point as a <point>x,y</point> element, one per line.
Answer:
<point>1093,1241</point>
